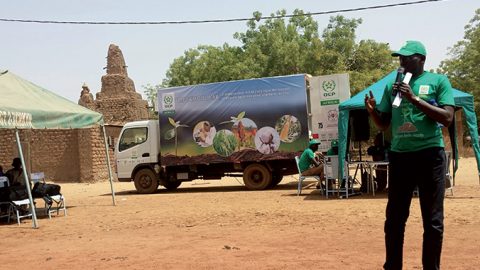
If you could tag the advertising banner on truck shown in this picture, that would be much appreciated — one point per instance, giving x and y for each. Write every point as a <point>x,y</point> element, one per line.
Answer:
<point>246,120</point>
<point>326,93</point>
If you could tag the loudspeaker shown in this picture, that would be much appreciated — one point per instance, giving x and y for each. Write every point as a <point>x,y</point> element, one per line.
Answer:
<point>360,125</point>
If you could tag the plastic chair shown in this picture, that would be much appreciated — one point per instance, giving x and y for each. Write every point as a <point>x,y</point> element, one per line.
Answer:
<point>302,177</point>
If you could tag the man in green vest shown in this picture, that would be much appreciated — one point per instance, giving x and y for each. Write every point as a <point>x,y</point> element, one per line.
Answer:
<point>417,156</point>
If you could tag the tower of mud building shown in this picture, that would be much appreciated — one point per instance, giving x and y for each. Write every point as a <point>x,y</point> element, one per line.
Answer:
<point>117,100</point>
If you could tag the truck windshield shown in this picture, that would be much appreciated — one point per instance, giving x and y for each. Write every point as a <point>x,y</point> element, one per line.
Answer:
<point>131,137</point>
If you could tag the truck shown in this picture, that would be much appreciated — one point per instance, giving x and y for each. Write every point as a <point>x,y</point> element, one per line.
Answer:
<point>247,128</point>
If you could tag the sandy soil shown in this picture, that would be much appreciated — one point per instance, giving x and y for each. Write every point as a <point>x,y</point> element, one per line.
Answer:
<point>220,225</point>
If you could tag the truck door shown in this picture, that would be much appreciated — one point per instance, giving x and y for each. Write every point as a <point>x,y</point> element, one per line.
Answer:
<point>133,149</point>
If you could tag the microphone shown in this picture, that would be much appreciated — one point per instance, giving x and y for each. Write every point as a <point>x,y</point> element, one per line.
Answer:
<point>400,72</point>
<point>398,97</point>
<point>398,79</point>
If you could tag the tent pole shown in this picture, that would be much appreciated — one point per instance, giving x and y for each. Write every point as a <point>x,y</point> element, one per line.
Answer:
<point>27,182</point>
<point>108,164</point>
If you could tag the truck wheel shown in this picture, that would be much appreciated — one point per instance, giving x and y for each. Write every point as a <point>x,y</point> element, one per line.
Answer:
<point>257,177</point>
<point>145,181</point>
<point>172,185</point>
<point>276,178</point>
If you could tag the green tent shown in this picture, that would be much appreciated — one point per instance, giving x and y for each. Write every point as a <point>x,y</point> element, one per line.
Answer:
<point>24,105</point>
<point>462,100</point>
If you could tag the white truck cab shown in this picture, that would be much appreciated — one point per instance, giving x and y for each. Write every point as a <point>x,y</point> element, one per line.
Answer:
<point>137,146</point>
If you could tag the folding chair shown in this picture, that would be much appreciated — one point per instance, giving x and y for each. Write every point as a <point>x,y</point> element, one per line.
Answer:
<point>37,177</point>
<point>333,184</point>
<point>53,203</point>
<point>302,177</point>
<point>16,209</point>
<point>57,204</point>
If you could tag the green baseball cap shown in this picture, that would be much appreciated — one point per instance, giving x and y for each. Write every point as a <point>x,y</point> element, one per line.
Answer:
<point>410,48</point>
<point>313,142</point>
<point>334,143</point>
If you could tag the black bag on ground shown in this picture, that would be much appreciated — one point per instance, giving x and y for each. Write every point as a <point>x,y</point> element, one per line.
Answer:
<point>18,193</point>
<point>42,189</point>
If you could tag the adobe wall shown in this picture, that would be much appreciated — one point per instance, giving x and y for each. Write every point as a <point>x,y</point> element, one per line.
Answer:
<point>93,165</point>
<point>118,100</point>
<point>79,155</point>
<point>63,155</point>
<point>121,110</point>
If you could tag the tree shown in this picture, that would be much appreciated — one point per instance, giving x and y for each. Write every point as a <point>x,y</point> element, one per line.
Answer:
<point>462,67</point>
<point>370,61</point>
<point>207,64</point>
<point>151,93</point>
<point>279,47</point>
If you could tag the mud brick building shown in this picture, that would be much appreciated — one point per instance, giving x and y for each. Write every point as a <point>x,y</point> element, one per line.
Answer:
<point>78,155</point>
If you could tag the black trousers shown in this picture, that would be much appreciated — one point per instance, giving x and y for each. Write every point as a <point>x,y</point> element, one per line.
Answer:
<point>426,169</point>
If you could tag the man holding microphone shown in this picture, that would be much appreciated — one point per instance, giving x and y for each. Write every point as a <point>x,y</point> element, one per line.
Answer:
<point>417,156</point>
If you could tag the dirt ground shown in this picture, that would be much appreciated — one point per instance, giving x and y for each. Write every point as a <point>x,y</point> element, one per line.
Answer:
<point>220,225</point>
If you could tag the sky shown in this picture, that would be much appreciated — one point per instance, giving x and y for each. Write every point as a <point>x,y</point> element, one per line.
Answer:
<point>61,57</point>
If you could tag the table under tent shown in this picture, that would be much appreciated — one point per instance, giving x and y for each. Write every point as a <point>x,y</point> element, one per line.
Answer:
<point>357,103</point>
<point>25,105</point>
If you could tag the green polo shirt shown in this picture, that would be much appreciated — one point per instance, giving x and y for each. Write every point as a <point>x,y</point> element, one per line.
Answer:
<point>413,130</point>
<point>306,159</point>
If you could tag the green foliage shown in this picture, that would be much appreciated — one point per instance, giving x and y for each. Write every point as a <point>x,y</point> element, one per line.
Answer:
<point>224,143</point>
<point>151,92</point>
<point>278,46</point>
<point>462,66</point>
<point>206,64</point>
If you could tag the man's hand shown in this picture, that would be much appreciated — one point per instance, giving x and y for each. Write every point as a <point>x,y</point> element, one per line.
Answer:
<point>405,90</point>
<point>370,102</point>
<point>381,120</point>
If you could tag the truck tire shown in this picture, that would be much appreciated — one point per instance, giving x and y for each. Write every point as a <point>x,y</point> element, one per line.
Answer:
<point>172,185</point>
<point>276,178</point>
<point>145,181</point>
<point>257,177</point>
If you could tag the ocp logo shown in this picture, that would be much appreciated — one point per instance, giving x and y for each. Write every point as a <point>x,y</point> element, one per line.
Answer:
<point>168,99</point>
<point>328,86</point>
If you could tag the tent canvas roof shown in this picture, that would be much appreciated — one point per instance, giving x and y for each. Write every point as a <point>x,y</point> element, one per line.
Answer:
<point>27,105</point>
<point>357,102</point>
